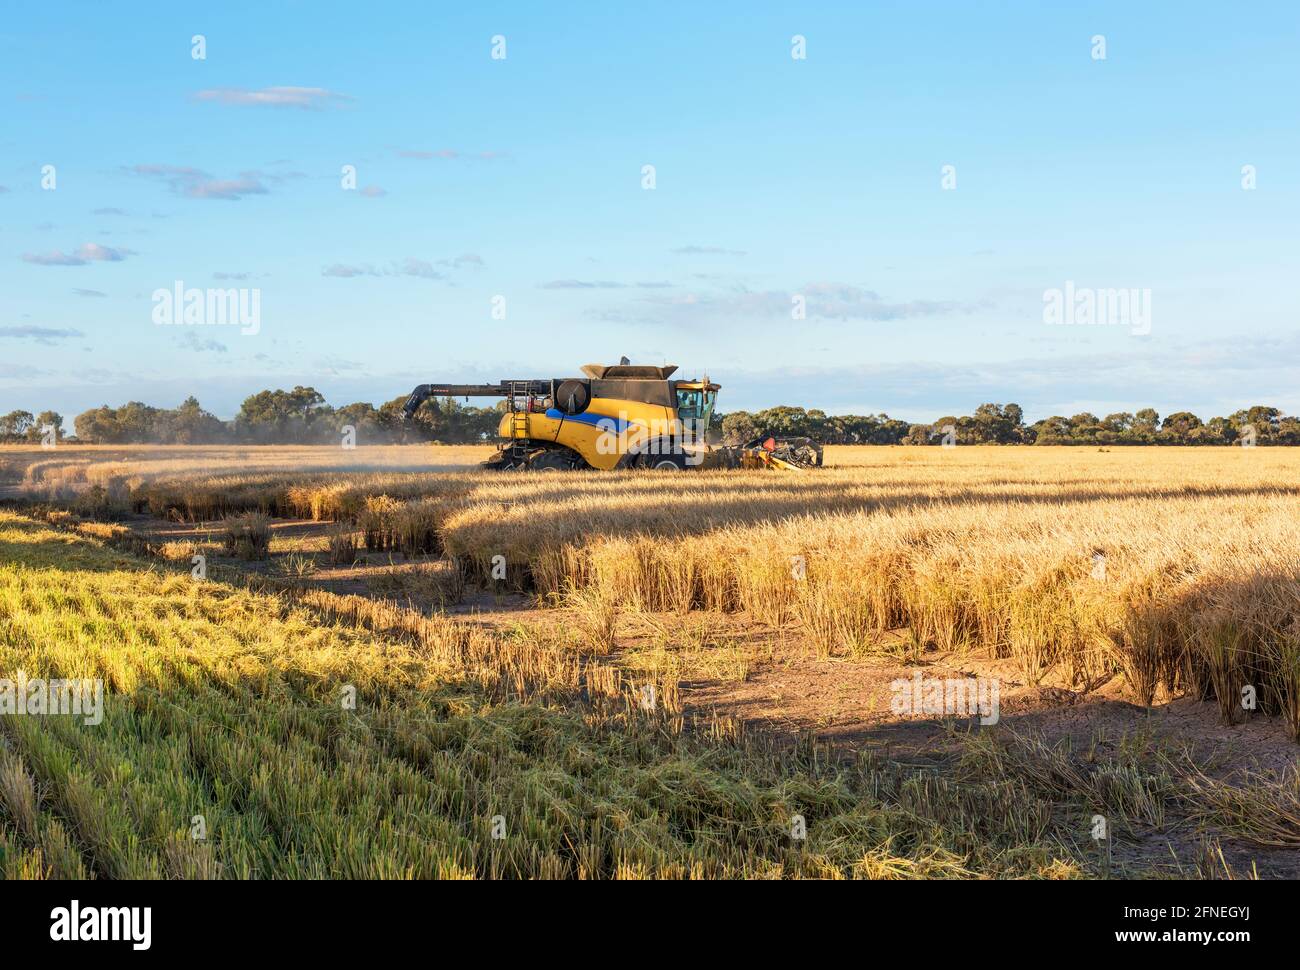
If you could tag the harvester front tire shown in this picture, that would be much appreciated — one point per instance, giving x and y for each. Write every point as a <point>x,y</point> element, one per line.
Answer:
<point>551,461</point>
<point>664,463</point>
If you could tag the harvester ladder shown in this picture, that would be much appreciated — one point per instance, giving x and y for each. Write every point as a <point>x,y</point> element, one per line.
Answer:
<point>518,420</point>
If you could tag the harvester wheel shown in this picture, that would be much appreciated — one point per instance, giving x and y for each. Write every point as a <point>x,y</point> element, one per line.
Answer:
<point>664,463</point>
<point>551,461</point>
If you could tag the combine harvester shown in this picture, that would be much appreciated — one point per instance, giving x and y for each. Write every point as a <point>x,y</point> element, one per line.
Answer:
<point>616,416</point>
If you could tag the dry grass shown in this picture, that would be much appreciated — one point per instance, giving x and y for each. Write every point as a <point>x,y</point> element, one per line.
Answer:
<point>72,463</point>
<point>341,547</point>
<point>247,537</point>
<point>226,703</point>
<point>1176,567</point>
<point>229,705</point>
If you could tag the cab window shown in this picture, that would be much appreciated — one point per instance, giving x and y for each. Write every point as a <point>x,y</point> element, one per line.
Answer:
<point>695,408</point>
<point>690,404</point>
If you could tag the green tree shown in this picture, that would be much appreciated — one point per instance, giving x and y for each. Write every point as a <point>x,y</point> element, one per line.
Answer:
<point>917,434</point>
<point>14,425</point>
<point>1121,422</point>
<point>1146,421</point>
<point>44,421</point>
<point>1177,427</point>
<point>189,424</point>
<point>365,419</point>
<point>300,415</point>
<point>1264,420</point>
<point>1055,430</point>
<point>97,426</point>
<point>995,424</point>
<point>739,427</point>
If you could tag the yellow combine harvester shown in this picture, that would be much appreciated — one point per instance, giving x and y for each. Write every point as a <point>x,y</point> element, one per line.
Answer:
<point>615,416</point>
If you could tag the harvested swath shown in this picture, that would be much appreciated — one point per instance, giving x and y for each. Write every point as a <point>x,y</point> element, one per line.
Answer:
<point>341,546</point>
<point>411,527</point>
<point>246,536</point>
<point>343,498</point>
<point>336,497</point>
<point>1140,579</point>
<point>212,498</point>
<point>377,522</point>
<point>171,461</point>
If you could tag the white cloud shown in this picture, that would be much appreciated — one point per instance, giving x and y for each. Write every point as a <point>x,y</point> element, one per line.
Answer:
<point>419,267</point>
<point>707,251</point>
<point>195,183</point>
<point>42,335</point>
<point>410,266</point>
<point>19,372</point>
<point>449,153</point>
<point>337,365</point>
<point>193,341</point>
<point>347,272</point>
<point>231,189</point>
<point>441,153</point>
<point>572,284</point>
<point>582,285</point>
<point>86,253</point>
<point>828,301</point>
<point>285,96</point>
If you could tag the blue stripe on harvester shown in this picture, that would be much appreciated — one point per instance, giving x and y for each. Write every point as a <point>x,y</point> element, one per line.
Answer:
<point>604,422</point>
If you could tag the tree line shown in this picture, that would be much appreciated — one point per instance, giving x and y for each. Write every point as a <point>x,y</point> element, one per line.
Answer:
<point>302,416</point>
<point>299,416</point>
<point>1004,424</point>
<point>25,426</point>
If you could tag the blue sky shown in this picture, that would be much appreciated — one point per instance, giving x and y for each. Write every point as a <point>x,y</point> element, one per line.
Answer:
<point>774,177</point>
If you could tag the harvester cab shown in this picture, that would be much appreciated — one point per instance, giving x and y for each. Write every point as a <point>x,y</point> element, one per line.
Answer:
<point>615,416</point>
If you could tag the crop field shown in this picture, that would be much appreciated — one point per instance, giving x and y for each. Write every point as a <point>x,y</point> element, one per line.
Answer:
<point>383,662</point>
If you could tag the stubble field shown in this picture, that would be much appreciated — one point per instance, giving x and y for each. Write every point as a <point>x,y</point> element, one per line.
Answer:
<point>649,674</point>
